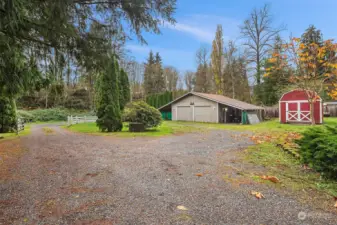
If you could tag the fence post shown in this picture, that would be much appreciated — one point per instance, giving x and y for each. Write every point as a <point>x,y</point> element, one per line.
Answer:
<point>17,127</point>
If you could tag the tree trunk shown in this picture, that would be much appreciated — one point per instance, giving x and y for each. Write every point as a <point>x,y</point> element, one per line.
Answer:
<point>312,116</point>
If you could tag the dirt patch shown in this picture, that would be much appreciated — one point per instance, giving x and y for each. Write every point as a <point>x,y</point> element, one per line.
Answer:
<point>95,222</point>
<point>10,153</point>
<point>71,190</point>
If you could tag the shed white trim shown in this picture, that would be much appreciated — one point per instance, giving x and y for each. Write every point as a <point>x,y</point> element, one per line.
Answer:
<point>297,90</point>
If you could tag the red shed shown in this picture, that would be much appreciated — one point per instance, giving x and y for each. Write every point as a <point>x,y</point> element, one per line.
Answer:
<point>295,108</point>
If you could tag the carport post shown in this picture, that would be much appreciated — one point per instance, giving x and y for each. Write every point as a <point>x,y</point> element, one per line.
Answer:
<point>217,113</point>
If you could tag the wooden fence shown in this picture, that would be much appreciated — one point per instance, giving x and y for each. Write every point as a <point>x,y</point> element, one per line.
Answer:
<point>81,119</point>
<point>271,112</point>
<point>20,125</point>
<point>330,110</point>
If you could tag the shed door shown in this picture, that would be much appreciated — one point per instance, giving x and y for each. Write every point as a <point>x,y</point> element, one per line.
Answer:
<point>305,112</point>
<point>184,113</point>
<point>203,113</point>
<point>292,111</point>
<point>298,112</point>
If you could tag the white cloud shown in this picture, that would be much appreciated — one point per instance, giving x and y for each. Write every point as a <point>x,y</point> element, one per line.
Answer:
<point>202,35</point>
<point>203,26</point>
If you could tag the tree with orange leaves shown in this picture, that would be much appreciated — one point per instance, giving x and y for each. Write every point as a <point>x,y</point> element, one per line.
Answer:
<point>313,67</point>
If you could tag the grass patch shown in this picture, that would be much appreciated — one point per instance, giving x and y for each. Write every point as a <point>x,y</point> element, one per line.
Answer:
<point>166,128</point>
<point>266,126</point>
<point>175,127</point>
<point>7,136</point>
<point>47,130</point>
<point>288,169</point>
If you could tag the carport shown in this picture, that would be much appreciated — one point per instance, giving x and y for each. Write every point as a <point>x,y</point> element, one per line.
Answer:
<point>201,107</point>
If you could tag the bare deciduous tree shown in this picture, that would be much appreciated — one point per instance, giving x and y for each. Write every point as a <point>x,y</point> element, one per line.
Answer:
<point>189,78</point>
<point>202,76</point>
<point>171,76</point>
<point>259,35</point>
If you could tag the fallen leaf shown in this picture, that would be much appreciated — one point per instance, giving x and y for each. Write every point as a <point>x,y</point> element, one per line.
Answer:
<point>199,174</point>
<point>336,204</point>
<point>270,178</point>
<point>258,195</point>
<point>181,207</point>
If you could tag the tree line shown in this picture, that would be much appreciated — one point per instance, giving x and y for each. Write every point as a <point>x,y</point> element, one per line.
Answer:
<point>50,49</point>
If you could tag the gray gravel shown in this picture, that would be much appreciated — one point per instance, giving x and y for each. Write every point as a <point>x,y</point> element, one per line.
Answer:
<point>68,178</point>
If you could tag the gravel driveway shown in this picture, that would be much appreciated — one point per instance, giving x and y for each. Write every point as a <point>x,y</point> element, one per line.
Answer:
<point>68,178</point>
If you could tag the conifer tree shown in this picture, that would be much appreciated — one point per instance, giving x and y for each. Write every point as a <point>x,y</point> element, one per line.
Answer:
<point>159,84</point>
<point>108,108</point>
<point>124,89</point>
<point>218,61</point>
<point>149,75</point>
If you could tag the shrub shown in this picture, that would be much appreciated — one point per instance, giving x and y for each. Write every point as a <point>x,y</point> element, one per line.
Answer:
<point>7,115</point>
<point>55,114</point>
<point>52,114</point>
<point>141,112</point>
<point>318,149</point>
<point>26,116</point>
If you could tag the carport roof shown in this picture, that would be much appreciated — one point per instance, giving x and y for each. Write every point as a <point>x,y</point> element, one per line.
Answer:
<point>219,99</point>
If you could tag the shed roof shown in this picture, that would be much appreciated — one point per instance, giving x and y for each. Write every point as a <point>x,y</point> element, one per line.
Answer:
<point>220,99</point>
<point>297,95</point>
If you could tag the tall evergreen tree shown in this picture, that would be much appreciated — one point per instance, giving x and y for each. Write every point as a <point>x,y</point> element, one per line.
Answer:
<point>107,100</point>
<point>124,89</point>
<point>312,35</point>
<point>149,75</point>
<point>217,61</point>
<point>160,84</point>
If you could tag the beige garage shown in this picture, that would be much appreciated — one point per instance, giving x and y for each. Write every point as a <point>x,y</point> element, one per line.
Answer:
<point>201,113</point>
<point>201,107</point>
<point>184,112</point>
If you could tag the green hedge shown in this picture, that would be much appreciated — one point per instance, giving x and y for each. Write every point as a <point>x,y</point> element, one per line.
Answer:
<point>158,100</point>
<point>318,149</point>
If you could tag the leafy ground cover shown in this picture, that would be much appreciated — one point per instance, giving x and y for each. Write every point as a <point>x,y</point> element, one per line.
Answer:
<point>47,130</point>
<point>291,173</point>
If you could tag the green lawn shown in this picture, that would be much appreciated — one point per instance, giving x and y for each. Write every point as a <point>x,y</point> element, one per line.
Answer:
<point>175,127</point>
<point>7,136</point>
<point>266,126</point>
<point>166,128</point>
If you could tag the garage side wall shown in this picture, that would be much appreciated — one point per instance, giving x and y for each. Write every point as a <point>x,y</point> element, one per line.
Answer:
<point>202,110</point>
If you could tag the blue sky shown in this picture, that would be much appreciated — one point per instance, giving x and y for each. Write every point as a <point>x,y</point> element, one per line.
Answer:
<point>197,21</point>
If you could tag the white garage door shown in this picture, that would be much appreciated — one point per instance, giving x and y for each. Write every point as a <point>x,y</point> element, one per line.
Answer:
<point>184,113</point>
<point>202,113</point>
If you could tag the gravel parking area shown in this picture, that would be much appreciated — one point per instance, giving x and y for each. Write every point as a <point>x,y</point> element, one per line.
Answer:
<point>68,178</point>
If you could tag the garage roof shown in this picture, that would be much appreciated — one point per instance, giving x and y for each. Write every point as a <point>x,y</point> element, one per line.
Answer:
<point>220,99</point>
